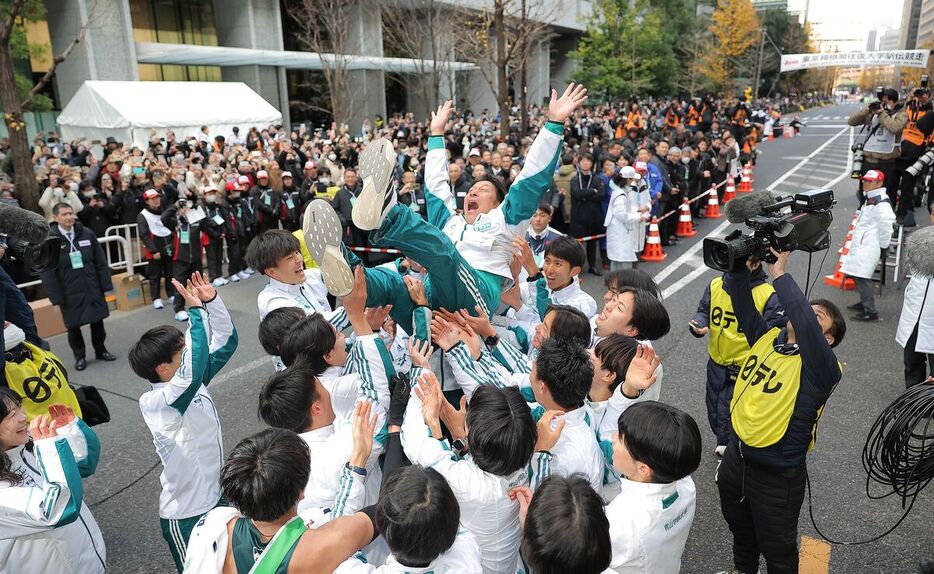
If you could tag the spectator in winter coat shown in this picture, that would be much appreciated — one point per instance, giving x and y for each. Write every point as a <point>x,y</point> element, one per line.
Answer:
<point>916,324</point>
<point>587,193</point>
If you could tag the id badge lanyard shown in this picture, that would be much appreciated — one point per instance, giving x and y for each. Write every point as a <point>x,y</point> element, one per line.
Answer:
<point>77,260</point>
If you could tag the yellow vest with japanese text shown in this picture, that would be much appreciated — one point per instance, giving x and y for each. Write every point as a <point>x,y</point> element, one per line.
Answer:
<point>41,381</point>
<point>727,343</point>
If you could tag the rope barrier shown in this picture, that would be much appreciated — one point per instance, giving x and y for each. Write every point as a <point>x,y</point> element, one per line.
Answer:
<point>705,194</point>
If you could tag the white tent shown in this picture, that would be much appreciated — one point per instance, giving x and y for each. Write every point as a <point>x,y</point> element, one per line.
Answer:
<point>129,111</point>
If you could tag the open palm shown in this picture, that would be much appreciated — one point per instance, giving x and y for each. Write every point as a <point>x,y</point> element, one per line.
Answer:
<point>560,109</point>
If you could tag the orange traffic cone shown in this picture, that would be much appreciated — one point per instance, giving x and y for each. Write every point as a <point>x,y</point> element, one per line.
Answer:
<point>730,192</point>
<point>771,135</point>
<point>787,132</point>
<point>685,225</point>
<point>653,244</point>
<point>745,181</point>
<point>838,279</point>
<point>713,206</point>
<point>752,175</point>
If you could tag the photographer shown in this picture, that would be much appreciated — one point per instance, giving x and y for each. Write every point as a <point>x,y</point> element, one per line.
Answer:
<point>779,396</point>
<point>883,122</point>
<point>913,146</point>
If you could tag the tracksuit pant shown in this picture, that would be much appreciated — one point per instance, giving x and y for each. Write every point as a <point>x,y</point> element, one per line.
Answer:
<point>720,383</point>
<point>451,283</point>
<point>157,270</point>
<point>98,336</point>
<point>761,506</point>
<point>215,255</point>
<point>866,294</point>
<point>917,365</point>
<point>176,534</point>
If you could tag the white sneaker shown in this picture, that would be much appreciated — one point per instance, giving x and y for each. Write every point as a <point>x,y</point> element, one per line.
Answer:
<point>250,271</point>
<point>721,448</point>
<point>158,304</point>
<point>244,275</point>
<point>378,196</point>
<point>181,315</point>
<point>234,278</point>
<point>323,237</point>
<point>219,282</point>
<point>170,300</point>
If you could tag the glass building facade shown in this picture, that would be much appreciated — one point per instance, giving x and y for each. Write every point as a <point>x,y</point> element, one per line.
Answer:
<point>175,22</point>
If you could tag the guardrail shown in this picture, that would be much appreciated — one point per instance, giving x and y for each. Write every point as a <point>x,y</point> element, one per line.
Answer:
<point>113,265</point>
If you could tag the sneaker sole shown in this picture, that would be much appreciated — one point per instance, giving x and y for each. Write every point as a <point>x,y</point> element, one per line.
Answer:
<point>322,232</point>
<point>376,167</point>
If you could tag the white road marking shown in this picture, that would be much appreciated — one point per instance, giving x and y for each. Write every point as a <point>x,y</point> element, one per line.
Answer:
<point>692,252</point>
<point>242,370</point>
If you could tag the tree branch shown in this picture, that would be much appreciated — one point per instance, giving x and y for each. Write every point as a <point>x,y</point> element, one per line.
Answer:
<point>47,77</point>
<point>15,7</point>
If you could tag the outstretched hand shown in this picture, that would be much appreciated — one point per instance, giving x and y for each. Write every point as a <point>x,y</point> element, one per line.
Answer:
<point>439,118</point>
<point>560,109</point>
<point>641,372</point>
<point>202,286</point>
<point>364,425</point>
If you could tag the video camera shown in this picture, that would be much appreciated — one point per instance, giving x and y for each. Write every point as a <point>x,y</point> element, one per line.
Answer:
<point>798,223</point>
<point>38,257</point>
<point>922,90</point>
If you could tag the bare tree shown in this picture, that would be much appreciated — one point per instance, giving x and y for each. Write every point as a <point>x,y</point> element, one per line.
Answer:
<point>500,42</point>
<point>425,31</point>
<point>323,27</point>
<point>15,104</point>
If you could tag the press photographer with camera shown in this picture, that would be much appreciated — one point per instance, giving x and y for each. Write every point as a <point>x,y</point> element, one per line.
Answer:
<point>914,143</point>
<point>779,396</point>
<point>877,145</point>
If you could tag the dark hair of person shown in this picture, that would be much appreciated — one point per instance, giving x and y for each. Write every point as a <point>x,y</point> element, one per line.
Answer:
<point>265,474</point>
<point>566,529</point>
<point>586,155</point>
<point>58,207</point>
<point>502,433</point>
<point>498,184</point>
<point>837,322</point>
<point>269,247</point>
<point>85,184</point>
<point>418,515</point>
<point>311,339</point>
<point>567,158</point>
<point>568,249</point>
<point>9,401</point>
<point>632,278</point>
<point>663,437</point>
<point>570,323</point>
<point>565,368</point>
<point>156,347</point>
<point>275,325</point>
<point>545,207</point>
<point>649,316</point>
<point>286,398</point>
<point>615,353</point>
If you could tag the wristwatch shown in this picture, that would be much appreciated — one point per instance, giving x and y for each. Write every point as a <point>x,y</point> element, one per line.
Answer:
<point>358,470</point>
<point>459,446</point>
<point>491,341</point>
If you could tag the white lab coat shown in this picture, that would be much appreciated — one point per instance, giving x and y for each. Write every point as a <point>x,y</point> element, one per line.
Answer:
<point>873,232</point>
<point>918,309</point>
<point>622,224</point>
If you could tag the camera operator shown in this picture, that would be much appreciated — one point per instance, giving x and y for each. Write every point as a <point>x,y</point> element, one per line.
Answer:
<point>883,122</point>
<point>912,146</point>
<point>780,393</point>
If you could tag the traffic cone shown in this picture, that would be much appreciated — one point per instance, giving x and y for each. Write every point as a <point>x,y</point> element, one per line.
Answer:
<point>752,175</point>
<point>745,182</point>
<point>685,225</point>
<point>838,279</point>
<point>730,192</point>
<point>771,135</point>
<point>787,132</point>
<point>713,206</point>
<point>653,244</point>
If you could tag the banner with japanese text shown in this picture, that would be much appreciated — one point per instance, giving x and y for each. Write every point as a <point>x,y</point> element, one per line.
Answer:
<point>907,58</point>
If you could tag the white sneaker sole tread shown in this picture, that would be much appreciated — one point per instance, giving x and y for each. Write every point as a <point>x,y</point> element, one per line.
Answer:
<point>376,167</point>
<point>322,230</point>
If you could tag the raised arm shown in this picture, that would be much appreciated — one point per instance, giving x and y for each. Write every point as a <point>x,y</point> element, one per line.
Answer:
<point>750,321</point>
<point>437,177</point>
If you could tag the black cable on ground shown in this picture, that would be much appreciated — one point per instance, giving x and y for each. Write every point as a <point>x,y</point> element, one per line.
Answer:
<point>898,454</point>
<point>125,488</point>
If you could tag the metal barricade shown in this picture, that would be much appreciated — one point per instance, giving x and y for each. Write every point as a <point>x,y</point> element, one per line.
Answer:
<point>133,251</point>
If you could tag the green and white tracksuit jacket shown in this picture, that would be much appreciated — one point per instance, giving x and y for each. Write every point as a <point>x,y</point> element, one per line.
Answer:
<point>536,297</point>
<point>463,557</point>
<point>486,245</point>
<point>44,524</point>
<point>183,420</point>
<point>365,377</point>
<point>487,512</point>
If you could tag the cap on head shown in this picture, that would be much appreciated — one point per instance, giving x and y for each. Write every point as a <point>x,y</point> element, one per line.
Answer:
<point>243,180</point>
<point>310,165</point>
<point>475,152</point>
<point>261,174</point>
<point>629,172</point>
<point>286,174</point>
<point>641,167</point>
<point>873,175</point>
<point>150,194</point>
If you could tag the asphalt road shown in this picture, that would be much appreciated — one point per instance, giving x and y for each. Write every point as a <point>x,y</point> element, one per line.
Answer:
<point>123,493</point>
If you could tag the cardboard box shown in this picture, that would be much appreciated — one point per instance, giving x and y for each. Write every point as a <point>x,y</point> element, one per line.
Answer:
<point>49,320</point>
<point>129,291</point>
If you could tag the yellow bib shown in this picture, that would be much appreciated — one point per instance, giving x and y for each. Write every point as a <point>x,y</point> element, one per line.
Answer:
<point>727,344</point>
<point>41,382</point>
<point>765,393</point>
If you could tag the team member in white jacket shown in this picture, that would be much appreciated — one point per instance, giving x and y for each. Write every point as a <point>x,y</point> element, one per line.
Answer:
<point>624,218</point>
<point>44,524</point>
<point>916,324</point>
<point>466,256</point>
<point>179,411</point>
<point>501,439</point>
<point>872,234</point>
<point>656,449</point>
<point>419,518</point>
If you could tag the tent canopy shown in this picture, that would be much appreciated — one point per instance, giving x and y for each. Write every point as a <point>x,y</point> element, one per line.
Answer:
<point>128,111</point>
